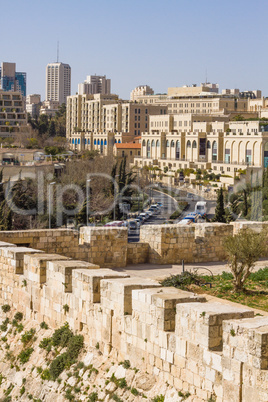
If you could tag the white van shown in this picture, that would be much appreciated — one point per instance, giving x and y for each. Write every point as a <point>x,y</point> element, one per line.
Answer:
<point>201,208</point>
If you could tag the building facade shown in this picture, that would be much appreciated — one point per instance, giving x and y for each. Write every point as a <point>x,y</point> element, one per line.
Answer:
<point>12,113</point>
<point>95,84</point>
<point>99,115</point>
<point>223,147</point>
<point>141,90</point>
<point>11,80</point>
<point>58,82</point>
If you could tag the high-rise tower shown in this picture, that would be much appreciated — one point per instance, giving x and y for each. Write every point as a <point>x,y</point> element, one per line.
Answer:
<point>58,82</point>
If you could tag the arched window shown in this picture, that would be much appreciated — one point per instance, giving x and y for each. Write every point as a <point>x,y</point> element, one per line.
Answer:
<point>98,142</point>
<point>178,149</point>
<point>172,144</point>
<point>115,141</point>
<point>85,140</point>
<point>157,143</point>
<point>73,141</point>
<point>95,142</point>
<point>188,144</point>
<point>167,143</point>
<point>208,145</point>
<point>194,144</point>
<point>148,149</point>
<point>105,142</point>
<point>214,151</point>
<point>78,140</point>
<point>153,143</point>
<point>101,142</point>
<point>119,141</point>
<point>143,143</point>
<point>88,141</point>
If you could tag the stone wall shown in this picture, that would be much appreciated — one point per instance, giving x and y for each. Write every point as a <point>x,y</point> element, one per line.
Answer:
<point>170,244</point>
<point>210,349</point>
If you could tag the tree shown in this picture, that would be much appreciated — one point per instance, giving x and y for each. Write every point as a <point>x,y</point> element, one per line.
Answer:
<point>52,129</point>
<point>243,250</point>
<point>219,211</point>
<point>245,205</point>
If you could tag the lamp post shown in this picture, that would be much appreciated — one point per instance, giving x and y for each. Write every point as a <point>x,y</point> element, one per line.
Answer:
<point>87,191</point>
<point>115,195</point>
<point>49,202</point>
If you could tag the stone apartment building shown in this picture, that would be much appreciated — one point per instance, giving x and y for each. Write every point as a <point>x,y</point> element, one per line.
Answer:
<point>12,113</point>
<point>99,121</point>
<point>184,141</point>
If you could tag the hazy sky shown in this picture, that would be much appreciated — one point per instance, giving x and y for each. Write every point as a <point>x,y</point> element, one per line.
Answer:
<point>159,43</point>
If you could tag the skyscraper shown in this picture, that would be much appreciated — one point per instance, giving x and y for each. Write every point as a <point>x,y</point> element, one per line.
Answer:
<point>95,84</point>
<point>58,82</point>
<point>10,80</point>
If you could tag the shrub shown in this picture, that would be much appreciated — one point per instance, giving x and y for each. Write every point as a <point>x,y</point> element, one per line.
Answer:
<point>126,364</point>
<point>158,398</point>
<point>46,375</point>
<point>27,336</point>
<point>93,397</point>
<point>43,325</point>
<point>44,343</point>
<point>6,308</point>
<point>181,280</point>
<point>18,316</point>
<point>62,336</point>
<point>66,308</point>
<point>25,355</point>
<point>57,366</point>
<point>22,390</point>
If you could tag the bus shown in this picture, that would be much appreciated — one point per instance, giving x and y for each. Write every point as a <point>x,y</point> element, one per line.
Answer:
<point>201,208</point>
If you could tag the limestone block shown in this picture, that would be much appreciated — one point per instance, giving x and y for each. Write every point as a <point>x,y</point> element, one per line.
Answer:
<point>35,266</point>
<point>60,272</point>
<point>247,341</point>
<point>202,322</point>
<point>117,295</point>
<point>86,283</point>
<point>13,257</point>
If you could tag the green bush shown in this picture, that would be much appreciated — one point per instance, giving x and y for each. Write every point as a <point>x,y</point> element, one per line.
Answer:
<point>181,281</point>
<point>57,366</point>
<point>62,336</point>
<point>44,343</point>
<point>45,375</point>
<point>93,397</point>
<point>6,308</point>
<point>158,398</point>
<point>25,355</point>
<point>43,325</point>
<point>18,316</point>
<point>27,336</point>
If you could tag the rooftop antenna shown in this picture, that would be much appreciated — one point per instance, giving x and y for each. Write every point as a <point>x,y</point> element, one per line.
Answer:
<point>206,76</point>
<point>58,51</point>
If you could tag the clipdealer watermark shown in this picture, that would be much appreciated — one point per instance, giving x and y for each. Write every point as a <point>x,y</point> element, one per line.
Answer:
<point>50,196</point>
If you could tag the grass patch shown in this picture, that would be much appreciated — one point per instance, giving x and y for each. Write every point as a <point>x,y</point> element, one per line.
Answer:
<point>254,295</point>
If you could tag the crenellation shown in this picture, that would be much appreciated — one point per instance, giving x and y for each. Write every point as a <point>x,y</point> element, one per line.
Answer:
<point>198,346</point>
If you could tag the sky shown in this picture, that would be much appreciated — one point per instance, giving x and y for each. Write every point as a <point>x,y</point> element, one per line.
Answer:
<point>158,43</point>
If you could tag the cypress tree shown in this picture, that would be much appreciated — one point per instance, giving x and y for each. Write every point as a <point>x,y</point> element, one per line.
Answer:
<point>219,211</point>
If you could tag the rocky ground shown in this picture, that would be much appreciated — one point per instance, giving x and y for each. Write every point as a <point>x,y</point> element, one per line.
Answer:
<point>40,364</point>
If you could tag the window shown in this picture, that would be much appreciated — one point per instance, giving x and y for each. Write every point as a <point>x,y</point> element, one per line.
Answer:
<point>167,143</point>
<point>130,153</point>
<point>188,144</point>
<point>194,144</point>
<point>208,145</point>
<point>214,151</point>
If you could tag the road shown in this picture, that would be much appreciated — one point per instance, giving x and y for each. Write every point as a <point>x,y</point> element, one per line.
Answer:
<point>169,206</point>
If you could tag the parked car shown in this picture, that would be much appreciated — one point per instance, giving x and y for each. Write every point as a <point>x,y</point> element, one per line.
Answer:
<point>132,225</point>
<point>139,223</point>
<point>144,215</point>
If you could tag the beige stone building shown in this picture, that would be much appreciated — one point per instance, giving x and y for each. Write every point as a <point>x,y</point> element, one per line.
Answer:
<point>12,113</point>
<point>96,117</point>
<point>222,146</point>
<point>141,90</point>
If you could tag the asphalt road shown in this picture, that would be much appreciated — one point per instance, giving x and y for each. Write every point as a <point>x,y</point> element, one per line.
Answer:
<point>169,206</point>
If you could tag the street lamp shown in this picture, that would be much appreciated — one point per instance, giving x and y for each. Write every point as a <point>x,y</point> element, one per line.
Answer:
<point>115,195</point>
<point>49,202</point>
<point>87,191</point>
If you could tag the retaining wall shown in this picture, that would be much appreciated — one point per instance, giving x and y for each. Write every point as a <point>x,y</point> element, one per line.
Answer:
<point>210,349</point>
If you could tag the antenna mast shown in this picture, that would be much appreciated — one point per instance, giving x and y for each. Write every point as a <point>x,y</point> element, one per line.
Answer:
<point>58,51</point>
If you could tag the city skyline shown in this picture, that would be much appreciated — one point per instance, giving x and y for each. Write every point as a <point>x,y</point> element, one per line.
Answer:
<point>141,43</point>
